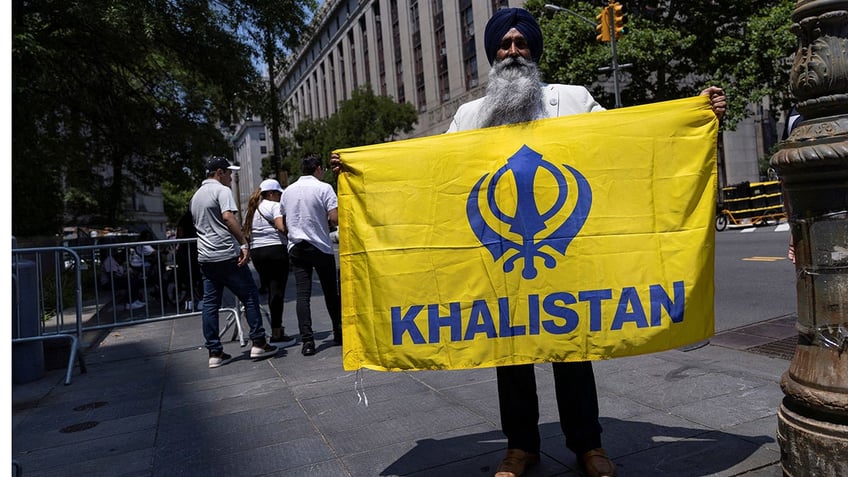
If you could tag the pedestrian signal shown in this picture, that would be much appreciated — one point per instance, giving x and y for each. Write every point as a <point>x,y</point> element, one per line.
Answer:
<point>603,25</point>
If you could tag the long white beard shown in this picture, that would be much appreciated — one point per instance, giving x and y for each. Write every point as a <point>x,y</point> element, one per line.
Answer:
<point>513,94</point>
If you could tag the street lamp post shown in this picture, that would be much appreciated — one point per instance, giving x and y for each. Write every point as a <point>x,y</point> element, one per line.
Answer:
<point>813,166</point>
<point>558,8</point>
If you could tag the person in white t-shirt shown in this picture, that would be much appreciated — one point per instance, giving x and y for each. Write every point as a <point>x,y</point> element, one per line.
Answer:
<point>310,207</point>
<point>266,233</point>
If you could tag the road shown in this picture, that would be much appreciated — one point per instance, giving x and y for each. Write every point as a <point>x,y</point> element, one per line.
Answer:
<point>754,280</point>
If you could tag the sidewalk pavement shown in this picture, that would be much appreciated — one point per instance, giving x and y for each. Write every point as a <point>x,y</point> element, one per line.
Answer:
<point>150,406</point>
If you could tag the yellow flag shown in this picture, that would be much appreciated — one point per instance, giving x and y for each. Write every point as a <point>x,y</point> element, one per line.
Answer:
<point>566,239</point>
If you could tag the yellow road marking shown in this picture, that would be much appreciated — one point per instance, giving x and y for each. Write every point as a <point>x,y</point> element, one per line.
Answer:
<point>763,259</point>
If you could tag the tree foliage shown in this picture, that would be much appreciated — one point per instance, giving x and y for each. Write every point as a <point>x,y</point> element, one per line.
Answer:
<point>175,199</point>
<point>110,96</point>
<point>363,119</point>
<point>272,27</point>
<point>676,49</point>
<point>367,118</point>
<point>113,95</point>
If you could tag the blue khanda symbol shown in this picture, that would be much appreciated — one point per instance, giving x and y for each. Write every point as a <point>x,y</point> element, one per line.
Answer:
<point>527,221</point>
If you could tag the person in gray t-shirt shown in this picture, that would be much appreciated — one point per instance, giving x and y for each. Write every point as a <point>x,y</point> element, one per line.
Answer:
<point>223,254</point>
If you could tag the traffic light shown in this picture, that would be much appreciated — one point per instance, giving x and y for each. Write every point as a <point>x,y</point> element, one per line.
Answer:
<point>603,25</point>
<point>618,20</point>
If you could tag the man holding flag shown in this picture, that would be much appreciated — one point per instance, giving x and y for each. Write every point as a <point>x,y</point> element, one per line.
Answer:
<point>515,94</point>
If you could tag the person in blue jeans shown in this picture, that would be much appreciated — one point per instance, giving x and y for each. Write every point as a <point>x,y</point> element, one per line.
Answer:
<point>310,207</point>
<point>223,254</point>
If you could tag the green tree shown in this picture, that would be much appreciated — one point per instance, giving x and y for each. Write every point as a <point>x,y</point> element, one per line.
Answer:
<point>175,199</point>
<point>273,28</point>
<point>113,95</point>
<point>367,118</point>
<point>676,49</point>
<point>310,137</point>
<point>756,61</point>
<point>363,119</point>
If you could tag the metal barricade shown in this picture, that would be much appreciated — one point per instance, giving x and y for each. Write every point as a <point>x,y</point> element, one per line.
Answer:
<point>73,290</point>
<point>33,319</point>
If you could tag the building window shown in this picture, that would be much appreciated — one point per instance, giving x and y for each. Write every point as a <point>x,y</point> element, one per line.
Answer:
<point>381,55</point>
<point>263,149</point>
<point>418,57</point>
<point>324,111</point>
<point>262,136</point>
<point>440,44</point>
<point>363,34</point>
<point>352,54</point>
<point>401,94</point>
<point>342,70</point>
<point>332,77</point>
<point>309,97</point>
<point>469,48</point>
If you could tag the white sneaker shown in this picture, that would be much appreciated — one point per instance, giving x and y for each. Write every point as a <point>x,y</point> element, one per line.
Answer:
<point>261,349</point>
<point>218,359</point>
<point>136,305</point>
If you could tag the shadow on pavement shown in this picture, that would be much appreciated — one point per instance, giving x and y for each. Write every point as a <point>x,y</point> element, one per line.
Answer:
<point>638,449</point>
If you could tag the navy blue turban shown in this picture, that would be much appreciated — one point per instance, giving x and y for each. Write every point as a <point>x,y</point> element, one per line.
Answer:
<point>507,18</point>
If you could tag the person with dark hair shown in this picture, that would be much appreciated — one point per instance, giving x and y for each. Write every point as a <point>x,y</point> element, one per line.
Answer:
<point>793,119</point>
<point>188,268</point>
<point>310,207</point>
<point>265,231</point>
<point>223,254</point>
<point>515,94</point>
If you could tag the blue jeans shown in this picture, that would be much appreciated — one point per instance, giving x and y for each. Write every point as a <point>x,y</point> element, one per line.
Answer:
<point>216,276</point>
<point>304,258</point>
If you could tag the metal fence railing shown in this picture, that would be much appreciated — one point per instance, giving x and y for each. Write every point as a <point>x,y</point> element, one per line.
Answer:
<point>63,292</point>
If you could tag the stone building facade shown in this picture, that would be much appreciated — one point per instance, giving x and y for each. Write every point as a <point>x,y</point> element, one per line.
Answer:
<point>431,54</point>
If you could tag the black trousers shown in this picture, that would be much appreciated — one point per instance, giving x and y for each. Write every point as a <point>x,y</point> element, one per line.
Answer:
<point>272,265</point>
<point>577,403</point>
<point>304,259</point>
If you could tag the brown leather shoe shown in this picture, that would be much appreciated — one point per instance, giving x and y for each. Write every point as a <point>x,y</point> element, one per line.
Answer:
<point>515,462</point>
<point>596,463</point>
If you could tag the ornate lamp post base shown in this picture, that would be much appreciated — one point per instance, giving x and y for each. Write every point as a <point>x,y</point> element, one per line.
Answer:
<point>813,164</point>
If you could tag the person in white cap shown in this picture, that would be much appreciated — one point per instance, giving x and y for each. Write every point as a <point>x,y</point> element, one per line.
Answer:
<point>223,253</point>
<point>265,230</point>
